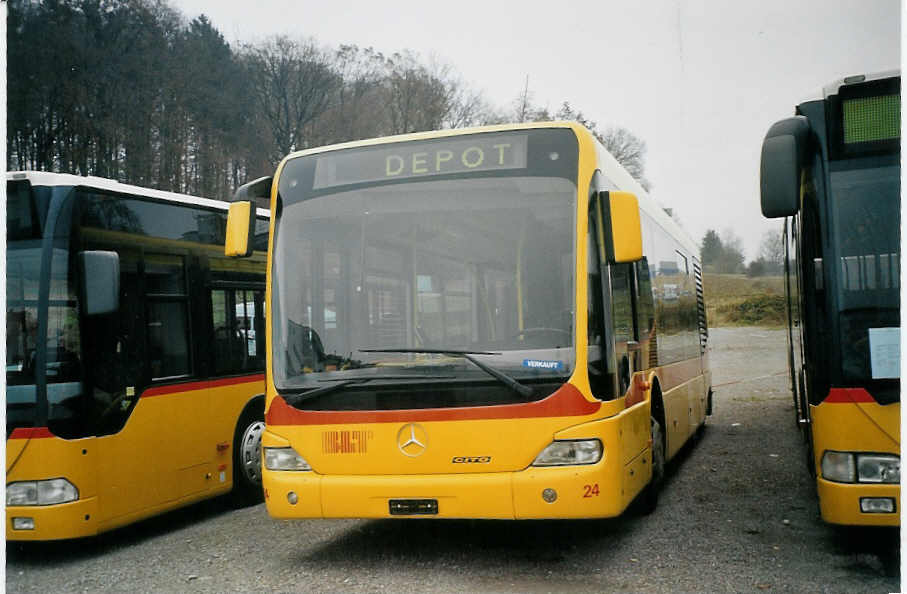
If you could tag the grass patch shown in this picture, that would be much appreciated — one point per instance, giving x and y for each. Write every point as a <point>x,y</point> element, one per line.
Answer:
<point>755,310</point>
<point>737,300</point>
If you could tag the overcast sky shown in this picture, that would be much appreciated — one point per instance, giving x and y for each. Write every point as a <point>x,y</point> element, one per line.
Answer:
<point>700,81</point>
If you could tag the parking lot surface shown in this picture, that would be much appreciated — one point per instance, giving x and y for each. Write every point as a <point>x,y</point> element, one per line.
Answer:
<point>738,514</point>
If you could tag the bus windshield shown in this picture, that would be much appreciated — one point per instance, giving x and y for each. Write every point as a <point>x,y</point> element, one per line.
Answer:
<point>59,376</point>
<point>866,210</point>
<point>478,263</point>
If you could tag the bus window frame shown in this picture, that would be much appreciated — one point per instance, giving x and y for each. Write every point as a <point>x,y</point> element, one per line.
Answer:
<point>605,389</point>
<point>184,299</point>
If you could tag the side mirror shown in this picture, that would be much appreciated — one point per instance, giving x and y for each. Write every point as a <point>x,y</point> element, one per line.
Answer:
<point>783,159</point>
<point>623,242</point>
<point>257,190</point>
<point>240,230</point>
<point>100,272</point>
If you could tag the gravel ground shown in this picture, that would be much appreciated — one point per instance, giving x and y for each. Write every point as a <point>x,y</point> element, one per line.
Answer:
<point>738,514</point>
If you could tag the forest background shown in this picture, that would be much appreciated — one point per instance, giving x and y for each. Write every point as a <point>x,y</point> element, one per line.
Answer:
<point>132,90</point>
<point>129,90</point>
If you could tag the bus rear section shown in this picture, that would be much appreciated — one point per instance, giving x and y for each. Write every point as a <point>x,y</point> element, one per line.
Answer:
<point>463,325</point>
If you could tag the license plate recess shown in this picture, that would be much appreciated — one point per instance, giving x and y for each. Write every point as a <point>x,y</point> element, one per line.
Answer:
<point>413,507</point>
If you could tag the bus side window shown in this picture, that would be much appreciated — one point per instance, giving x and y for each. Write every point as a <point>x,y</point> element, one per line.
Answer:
<point>168,315</point>
<point>622,302</point>
<point>645,314</point>
<point>221,324</point>
<point>237,320</point>
<point>623,322</point>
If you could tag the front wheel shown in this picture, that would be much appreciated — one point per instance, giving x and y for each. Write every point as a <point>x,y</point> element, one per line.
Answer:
<point>649,499</point>
<point>247,488</point>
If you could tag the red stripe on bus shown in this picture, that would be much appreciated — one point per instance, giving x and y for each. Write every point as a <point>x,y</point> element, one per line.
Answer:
<point>31,433</point>
<point>190,386</point>
<point>848,396</point>
<point>43,432</point>
<point>566,401</point>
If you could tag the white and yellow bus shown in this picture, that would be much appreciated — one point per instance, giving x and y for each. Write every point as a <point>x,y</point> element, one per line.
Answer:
<point>134,381</point>
<point>473,324</point>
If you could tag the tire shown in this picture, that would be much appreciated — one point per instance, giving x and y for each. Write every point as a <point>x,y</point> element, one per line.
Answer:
<point>810,452</point>
<point>803,424</point>
<point>649,499</point>
<point>247,489</point>
<point>699,434</point>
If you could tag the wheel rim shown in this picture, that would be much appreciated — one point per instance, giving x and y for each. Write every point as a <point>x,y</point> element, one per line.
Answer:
<point>250,452</point>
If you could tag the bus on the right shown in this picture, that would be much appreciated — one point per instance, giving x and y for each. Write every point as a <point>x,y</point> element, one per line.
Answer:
<point>832,171</point>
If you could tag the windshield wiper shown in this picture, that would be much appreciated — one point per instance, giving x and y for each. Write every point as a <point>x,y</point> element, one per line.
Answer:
<point>521,389</point>
<point>294,399</point>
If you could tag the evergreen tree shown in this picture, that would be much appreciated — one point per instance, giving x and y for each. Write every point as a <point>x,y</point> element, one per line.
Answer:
<point>711,249</point>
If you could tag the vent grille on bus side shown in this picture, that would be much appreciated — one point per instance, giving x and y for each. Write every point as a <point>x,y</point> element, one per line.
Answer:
<point>700,310</point>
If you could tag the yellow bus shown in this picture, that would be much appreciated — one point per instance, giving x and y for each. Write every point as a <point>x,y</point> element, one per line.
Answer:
<point>833,172</point>
<point>473,324</point>
<point>133,383</point>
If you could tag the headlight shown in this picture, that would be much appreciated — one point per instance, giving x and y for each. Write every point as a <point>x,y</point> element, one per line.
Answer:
<point>878,468</point>
<point>284,459</point>
<point>568,453</point>
<point>47,492</point>
<point>839,467</point>
<point>851,467</point>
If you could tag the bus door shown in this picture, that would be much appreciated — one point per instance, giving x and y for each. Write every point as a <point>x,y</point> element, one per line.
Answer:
<point>611,372</point>
<point>388,297</point>
<point>149,452</point>
<point>128,477</point>
<point>628,356</point>
<point>179,406</point>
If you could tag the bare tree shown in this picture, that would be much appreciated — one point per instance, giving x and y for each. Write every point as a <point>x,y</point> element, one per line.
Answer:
<point>468,108</point>
<point>629,150</point>
<point>357,109</point>
<point>771,248</point>
<point>522,105</point>
<point>292,84</point>
<point>419,97</point>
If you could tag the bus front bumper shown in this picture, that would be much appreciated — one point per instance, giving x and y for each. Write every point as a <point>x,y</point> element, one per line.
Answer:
<point>593,491</point>
<point>52,522</point>
<point>845,503</point>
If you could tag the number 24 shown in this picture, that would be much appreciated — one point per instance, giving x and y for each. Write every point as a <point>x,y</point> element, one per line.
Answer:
<point>590,490</point>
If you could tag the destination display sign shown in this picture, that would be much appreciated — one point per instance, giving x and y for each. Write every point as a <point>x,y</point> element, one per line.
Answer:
<point>405,161</point>
<point>868,119</point>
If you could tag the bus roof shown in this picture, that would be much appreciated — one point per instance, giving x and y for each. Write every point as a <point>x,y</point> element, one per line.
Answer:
<point>433,134</point>
<point>46,178</point>
<point>611,168</point>
<point>834,87</point>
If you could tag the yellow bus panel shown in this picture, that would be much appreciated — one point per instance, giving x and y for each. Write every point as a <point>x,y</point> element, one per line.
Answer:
<point>846,422</point>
